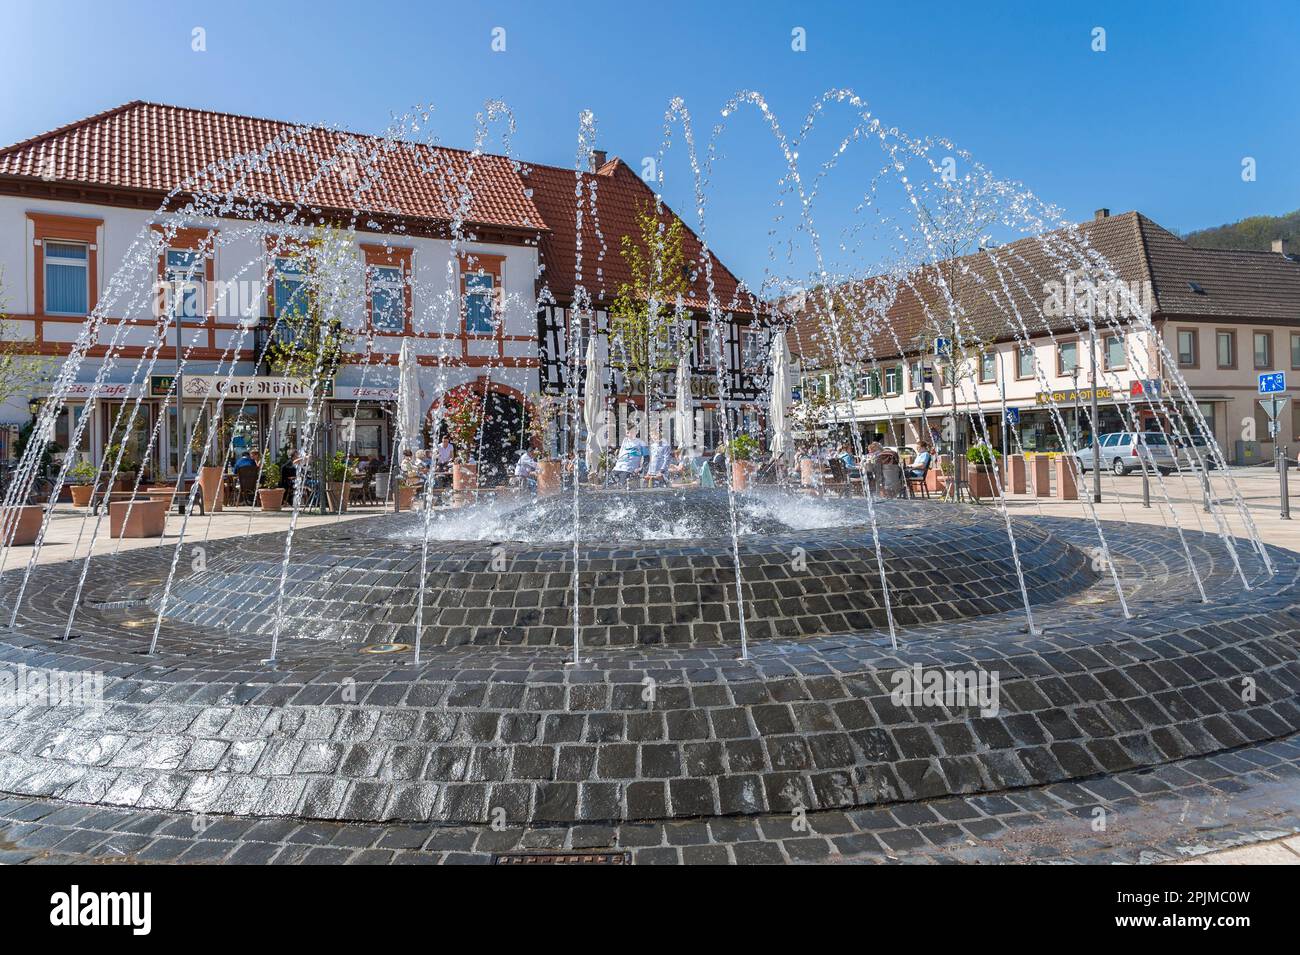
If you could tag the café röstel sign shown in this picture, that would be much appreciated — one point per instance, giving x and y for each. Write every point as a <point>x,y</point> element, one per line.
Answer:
<point>243,387</point>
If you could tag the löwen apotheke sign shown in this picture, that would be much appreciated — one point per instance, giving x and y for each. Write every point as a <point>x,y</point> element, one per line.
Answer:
<point>1068,396</point>
<point>244,387</point>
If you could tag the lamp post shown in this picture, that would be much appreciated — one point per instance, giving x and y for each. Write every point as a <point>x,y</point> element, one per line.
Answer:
<point>1092,419</point>
<point>1074,374</point>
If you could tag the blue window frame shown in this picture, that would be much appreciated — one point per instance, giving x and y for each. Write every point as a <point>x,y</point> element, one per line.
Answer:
<point>67,278</point>
<point>183,272</point>
<point>290,289</point>
<point>480,292</point>
<point>387,299</point>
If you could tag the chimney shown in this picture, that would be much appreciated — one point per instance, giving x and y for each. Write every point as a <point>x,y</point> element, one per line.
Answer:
<point>598,158</point>
<point>1101,214</point>
<point>1279,246</point>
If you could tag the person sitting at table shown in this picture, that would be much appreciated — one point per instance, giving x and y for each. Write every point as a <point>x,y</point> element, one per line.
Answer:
<point>657,470</point>
<point>631,458</point>
<point>243,460</point>
<point>921,463</point>
<point>445,454</point>
<point>526,471</point>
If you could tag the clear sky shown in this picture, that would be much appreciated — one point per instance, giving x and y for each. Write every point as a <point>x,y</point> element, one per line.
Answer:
<point>1159,122</point>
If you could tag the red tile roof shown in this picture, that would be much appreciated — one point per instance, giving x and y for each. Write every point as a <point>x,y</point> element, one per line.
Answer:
<point>159,148</point>
<point>619,194</point>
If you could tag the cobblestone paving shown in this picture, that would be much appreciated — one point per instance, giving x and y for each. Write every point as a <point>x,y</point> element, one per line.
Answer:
<point>328,733</point>
<point>1179,810</point>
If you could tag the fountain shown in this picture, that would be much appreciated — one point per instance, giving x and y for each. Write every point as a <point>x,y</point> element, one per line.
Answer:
<point>603,655</point>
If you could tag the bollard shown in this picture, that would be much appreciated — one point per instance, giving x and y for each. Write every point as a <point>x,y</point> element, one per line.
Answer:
<point>1285,495</point>
<point>1146,487</point>
<point>1016,478</point>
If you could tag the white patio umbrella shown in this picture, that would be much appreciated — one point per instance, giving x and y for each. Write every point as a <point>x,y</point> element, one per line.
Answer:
<point>408,398</point>
<point>685,410</point>
<point>780,396</point>
<point>593,404</point>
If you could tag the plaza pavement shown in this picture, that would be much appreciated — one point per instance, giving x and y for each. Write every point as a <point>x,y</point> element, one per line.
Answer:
<point>72,531</point>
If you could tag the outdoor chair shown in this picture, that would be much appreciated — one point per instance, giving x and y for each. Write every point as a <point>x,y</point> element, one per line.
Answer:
<point>838,482</point>
<point>246,478</point>
<point>916,486</point>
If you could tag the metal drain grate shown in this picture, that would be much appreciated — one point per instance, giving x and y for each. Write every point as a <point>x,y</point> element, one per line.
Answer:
<point>385,648</point>
<point>563,858</point>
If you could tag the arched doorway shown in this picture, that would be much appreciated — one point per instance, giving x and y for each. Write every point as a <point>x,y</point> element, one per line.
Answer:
<point>503,424</point>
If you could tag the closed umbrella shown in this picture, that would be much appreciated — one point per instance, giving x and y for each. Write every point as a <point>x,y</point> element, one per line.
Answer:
<point>685,411</point>
<point>408,398</point>
<point>593,404</point>
<point>780,396</point>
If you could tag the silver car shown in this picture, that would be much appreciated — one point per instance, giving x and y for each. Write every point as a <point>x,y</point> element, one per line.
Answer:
<point>1195,452</point>
<point>1124,451</point>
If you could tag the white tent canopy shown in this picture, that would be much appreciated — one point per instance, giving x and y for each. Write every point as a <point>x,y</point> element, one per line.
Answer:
<point>685,410</point>
<point>779,400</point>
<point>408,398</point>
<point>593,404</point>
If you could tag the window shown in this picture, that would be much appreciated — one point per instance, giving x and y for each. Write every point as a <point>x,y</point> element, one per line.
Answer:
<point>1225,349</point>
<point>1187,347</point>
<point>480,289</point>
<point>753,349</point>
<point>67,278</point>
<point>1295,350</point>
<point>1067,358</point>
<point>290,288</point>
<point>387,298</point>
<point>988,366</point>
<point>894,379</point>
<point>1263,347</point>
<point>1025,362</point>
<point>869,384</point>
<point>183,272</point>
<point>1115,357</point>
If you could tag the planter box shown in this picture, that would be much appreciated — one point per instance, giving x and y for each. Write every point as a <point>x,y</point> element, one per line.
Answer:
<point>549,475</point>
<point>210,479</point>
<point>271,498</point>
<point>381,486</point>
<point>146,518</point>
<point>403,498</point>
<point>464,477</point>
<point>338,496</point>
<point>1041,469</point>
<point>1067,484</point>
<point>24,523</point>
<point>1016,463</point>
<point>740,471</point>
<point>983,484</point>
<point>81,494</point>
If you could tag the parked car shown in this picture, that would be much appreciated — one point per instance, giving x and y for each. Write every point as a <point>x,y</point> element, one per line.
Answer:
<point>1194,452</point>
<point>1124,451</point>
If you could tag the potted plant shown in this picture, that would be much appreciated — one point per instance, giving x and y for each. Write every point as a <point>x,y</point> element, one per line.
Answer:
<point>984,461</point>
<point>742,449</point>
<point>545,409</point>
<point>404,492</point>
<point>81,476</point>
<point>336,481</point>
<point>463,416</point>
<point>270,495</point>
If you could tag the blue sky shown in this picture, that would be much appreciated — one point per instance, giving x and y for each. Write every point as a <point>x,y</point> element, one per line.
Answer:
<point>1158,122</point>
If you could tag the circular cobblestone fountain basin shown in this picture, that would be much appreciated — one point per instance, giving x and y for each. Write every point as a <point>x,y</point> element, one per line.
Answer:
<point>807,568</point>
<point>825,715</point>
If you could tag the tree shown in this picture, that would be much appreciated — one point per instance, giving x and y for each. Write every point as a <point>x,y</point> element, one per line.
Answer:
<point>645,309</point>
<point>21,369</point>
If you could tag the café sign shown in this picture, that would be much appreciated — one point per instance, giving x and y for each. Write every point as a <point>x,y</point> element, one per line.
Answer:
<point>243,387</point>
<point>1069,396</point>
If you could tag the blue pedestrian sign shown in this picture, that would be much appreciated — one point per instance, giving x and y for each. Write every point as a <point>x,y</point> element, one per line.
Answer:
<point>1013,416</point>
<point>941,346</point>
<point>1272,383</point>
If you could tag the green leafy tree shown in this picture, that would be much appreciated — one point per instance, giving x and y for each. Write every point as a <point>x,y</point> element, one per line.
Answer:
<point>311,339</point>
<point>21,369</point>
<point>644,312</point>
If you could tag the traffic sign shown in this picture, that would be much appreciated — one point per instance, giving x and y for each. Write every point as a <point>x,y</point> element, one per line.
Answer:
<point>924,399</point>
<point>1272,382</point>
<point>941,346</point>
<point>1013,416</point>
<point>1272,406</point>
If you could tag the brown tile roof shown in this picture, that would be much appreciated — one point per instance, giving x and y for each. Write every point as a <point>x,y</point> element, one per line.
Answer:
<point>877,315</point>
<point>620,193</point>
<point>159,148</point>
